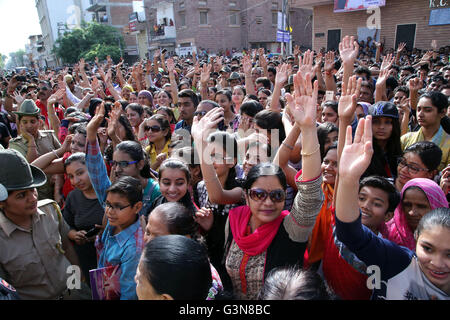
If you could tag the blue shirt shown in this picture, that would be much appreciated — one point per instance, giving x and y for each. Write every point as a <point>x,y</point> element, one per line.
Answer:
<point>122,249</point>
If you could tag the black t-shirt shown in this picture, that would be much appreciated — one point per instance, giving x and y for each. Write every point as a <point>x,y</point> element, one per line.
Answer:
<point>82,213</point>
<point>4,133</point>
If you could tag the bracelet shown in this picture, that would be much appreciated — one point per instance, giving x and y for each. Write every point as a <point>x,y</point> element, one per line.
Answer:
<point>287,146</point>
<point>54,152</point>
<point>311,153</point>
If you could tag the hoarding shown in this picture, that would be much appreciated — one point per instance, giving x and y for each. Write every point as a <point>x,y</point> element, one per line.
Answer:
<point>354,5</point>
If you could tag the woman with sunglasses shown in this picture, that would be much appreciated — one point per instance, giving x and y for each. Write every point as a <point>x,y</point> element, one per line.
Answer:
<point>261,236</point>
<point>157,130</point>
<point>128,159</point>
<point>420,160</point>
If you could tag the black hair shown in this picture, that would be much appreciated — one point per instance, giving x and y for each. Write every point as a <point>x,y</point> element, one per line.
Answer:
<point>438,100</point>
<point>135,151</point>
<point>250,108</point>
<point>212,103</point>
<point>226,93</point>
<point>169,113</point>
<point>172,163</point>
<point>408,68</point>
<point>439,217</point>
<point>429,153</point>
<point>188,93</point>
<point>136,107</point>
<point>129,133</point>
<point>164,123</point>
<point>323,131</point>
<point>75,157</point>
<point>264,170</point>
<point>128,187</point>
<point>267,119</point>
<point>178,219</point>
<point>334,145</point>
<point>177,266</point>
<point>250,97</point>
<point>382,184</point>
<point>331,104</point>
<point>365,70</point>
<point>265,82</point>
<point>267,92</point>
<point>391,83</point>
<point>290,283</point>
<point>403,89</point>
<point>242,89</point>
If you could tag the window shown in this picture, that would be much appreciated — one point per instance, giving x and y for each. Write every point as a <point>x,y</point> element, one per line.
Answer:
<point>182,5</point>
<point>232,4</point>
<point>274,5</point>
<point>182,19</point>
<point>233,19</point>
<point>202,2</point>
<point>203,17</point>
<point>275,17</point>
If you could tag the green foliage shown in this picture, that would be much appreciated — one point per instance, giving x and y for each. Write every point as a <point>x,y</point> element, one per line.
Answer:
<point>89,41</point>
<point>2,61</point>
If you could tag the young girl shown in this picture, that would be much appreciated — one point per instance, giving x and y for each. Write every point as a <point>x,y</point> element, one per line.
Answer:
<point>167,113</point>
<point>418,197</point>
<point>82,211</point>
<point>419,160</point>
<point>135,115</point>
<point>122,240</point>
<point>157,129</point>
<point>386,141</point>
<point>224,99</point>
<point>238,97</point>
<point>174,177</point>
<point>405,275</point>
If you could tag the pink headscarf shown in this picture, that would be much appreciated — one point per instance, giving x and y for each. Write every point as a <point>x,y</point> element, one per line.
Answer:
<point>397,229</point>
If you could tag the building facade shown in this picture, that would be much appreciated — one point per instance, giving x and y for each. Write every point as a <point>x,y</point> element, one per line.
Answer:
<point>416,22</point>
<point>56,17</point>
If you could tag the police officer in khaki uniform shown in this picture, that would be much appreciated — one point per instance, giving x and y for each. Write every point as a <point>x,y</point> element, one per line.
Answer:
<point>32,142</point>
<point>34,248</point>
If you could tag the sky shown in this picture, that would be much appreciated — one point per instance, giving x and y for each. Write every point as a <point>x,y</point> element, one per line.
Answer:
<point>18,21</point>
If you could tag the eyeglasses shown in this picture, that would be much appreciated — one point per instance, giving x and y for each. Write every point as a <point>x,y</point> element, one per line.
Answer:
<point>401,162</point>
<point>261,195</point>
<point>200,113</point>
<point>114,207</point>
<point>122,164</point>
<point>219,157</point>
<point>152,128</point>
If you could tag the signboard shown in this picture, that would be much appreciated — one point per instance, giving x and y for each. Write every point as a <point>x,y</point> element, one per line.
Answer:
<point>132,21</point>
<point>354,5</point>
<point>283,36</point>
<point>439,17</point>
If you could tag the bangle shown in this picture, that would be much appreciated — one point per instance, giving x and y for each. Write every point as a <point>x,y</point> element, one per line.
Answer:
<point>311,153</point>
<point>287,146</point>
<point>56,154</point>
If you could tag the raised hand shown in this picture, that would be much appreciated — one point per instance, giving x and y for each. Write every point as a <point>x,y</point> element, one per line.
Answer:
<point>282,74</point>
<point>387,62</point>
<point>356,155</point>
<point>95,122</point>
<point>401,47</point>
<point>348,50</point>
<point>206,71</point>
<point>305,64</point>
<point>329,61</point>
<point>18,97</point>
<point>303,104</point>
<point>170,65</point>
<point>114,115</point>
<point>415,84</point>
<point>318,62</point>
<point>207,124</point>
<point>348,100</point>
<point>297,51</point>
<point>66,144</point>
<point>205,218</point>
<point>247,64</point>
<point>382,77</point>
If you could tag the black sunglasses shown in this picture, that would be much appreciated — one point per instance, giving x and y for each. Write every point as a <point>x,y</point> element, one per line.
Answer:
<point>152,128</point>
<point>261,195</point>
<point>200,113</point>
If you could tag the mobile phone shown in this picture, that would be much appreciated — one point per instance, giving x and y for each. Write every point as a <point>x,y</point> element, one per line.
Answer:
<point>164,50</point>
<point>92,232</point>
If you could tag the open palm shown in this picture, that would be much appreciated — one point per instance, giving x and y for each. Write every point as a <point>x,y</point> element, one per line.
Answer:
<point>348,49</point>
<point>347,102</point>
<point>356,155</point>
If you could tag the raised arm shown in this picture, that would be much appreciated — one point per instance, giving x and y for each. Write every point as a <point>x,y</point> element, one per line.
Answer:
<point>330,83</point>
<point>204,77</point>
<point>200,132</point>
<point>348,50</point>
<point>247,65</point>
<point>280,80</point>
<point>173,82</point>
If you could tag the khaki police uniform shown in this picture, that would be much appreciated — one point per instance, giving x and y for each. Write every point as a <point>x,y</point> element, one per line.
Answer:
<point>45,142</point>
<point>33,261</point>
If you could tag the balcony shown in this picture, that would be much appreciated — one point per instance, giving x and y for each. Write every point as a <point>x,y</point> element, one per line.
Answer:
<point>161,32</point>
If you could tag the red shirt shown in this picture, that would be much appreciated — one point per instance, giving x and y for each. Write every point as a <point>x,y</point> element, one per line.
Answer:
<point>58,110</point>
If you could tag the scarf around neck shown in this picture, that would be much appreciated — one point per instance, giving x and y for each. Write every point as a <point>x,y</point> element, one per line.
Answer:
<point>257,242</point>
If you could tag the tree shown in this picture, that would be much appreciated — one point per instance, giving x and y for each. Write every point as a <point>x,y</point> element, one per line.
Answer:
<point>89,40</point>
<point>2,61</point>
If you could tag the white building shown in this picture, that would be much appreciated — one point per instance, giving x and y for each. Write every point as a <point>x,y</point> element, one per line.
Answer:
<point>55,17</point>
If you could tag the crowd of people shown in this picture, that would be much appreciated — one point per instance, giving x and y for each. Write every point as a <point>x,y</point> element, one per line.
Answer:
<point>213,177</point>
